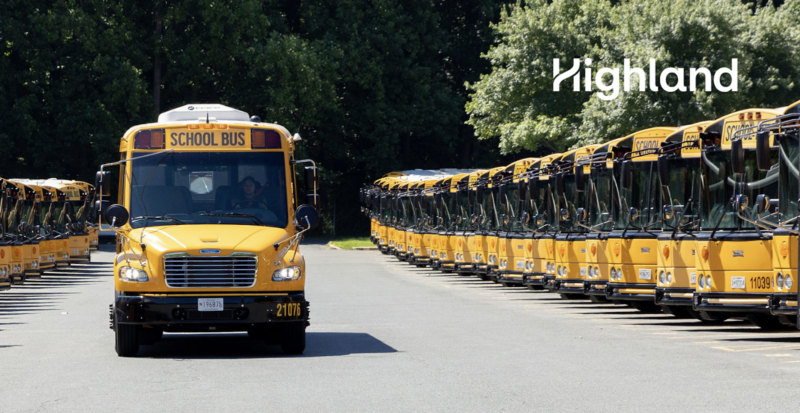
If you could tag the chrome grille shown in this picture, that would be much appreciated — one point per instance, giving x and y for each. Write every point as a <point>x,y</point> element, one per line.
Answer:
<point>189,271</point>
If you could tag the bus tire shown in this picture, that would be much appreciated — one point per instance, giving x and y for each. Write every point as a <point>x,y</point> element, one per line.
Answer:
<point>709,317</point>
<point>571,296</point>
<point>294,338</point>
<point>483,277</point>
<point>149,336</point>
<point>535,287</point>
<point>598,299</point>
<point>420,265</point>
<point>677,311</point>
<point>765,321</point>
<point>127,340</point>
<point>646,306</point>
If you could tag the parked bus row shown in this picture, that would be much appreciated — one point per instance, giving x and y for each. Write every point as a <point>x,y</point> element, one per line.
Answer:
<point>44,225</point>
<point>696,221</point>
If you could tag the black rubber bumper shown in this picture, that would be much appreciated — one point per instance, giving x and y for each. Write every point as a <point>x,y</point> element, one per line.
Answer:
<point>561,289</point>
<point>778,305</point>
<point>612,294</point>
<point>588,290</point>
<point>466,268</point>
<point>180,313</point>
<point>528,278</point>
<point>504,276</point>
<point>662,299</point>
<point>699,302</point>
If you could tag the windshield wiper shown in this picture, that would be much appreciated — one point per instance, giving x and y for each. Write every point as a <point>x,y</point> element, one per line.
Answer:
<point>160,218</point>
<point>236,215</point>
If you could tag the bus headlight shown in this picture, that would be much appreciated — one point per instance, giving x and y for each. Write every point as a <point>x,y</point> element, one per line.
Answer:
<point>779,281</point>
<point>132,274</point>
<point>287,274</point>
<point>669,278</point>
<point>708,281</point>
<point>788,281</point>
<point>559,271</point>
<point>661,277</point>
<point>701,281</point>
<point>596,272</point>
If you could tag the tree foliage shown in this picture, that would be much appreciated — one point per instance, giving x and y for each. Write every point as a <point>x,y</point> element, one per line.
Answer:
<point>516,102</point>
<point>370,85</point>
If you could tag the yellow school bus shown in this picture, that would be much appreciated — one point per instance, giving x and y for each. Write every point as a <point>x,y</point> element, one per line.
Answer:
<point>734,253</point>
<point>542,272</point>
<point>572,267</point>
<point>6,240</point>
<point>47,243</point>
<point>598,216</point>
<point>633,240</point>
<point>74,215</point>
<point>466,255</point>
<point>681,179</point>
<point>16,234</point>
<point>485,222</point>
<point>513,219</point>
<point>28,229</point>
<point>423,231</point>
<point>785,131</point>
<point>208,223</point>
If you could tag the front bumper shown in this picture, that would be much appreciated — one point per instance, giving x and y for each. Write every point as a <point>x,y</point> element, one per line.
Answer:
<point>783,304</point>
<point>447,265</point>
<point>180,313</point>
<point>630,291</point>
<point>674,296</point>
<point>731,302</point>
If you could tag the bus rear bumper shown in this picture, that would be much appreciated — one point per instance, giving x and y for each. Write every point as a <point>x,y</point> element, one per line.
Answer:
<point>510,277</point>
<point>180,313</point>
<point>731,302</point>
<point>630,292</point>
<point>535,279</point>
<point>597,288</point>
<point>674,296</point>
<point>569,286</point>
<point>783,304</point>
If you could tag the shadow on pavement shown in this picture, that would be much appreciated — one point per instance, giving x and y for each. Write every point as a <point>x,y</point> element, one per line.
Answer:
<point>239,345</point>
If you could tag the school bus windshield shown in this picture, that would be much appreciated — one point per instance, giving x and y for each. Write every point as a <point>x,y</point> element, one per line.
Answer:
<point>639,199</point>
<point>683,193</point>
<point>717,210</point>
<point>241,188</point>
<point>602,192</point>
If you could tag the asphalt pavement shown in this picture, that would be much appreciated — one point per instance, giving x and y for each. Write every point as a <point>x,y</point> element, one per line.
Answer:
<point>386,336</point>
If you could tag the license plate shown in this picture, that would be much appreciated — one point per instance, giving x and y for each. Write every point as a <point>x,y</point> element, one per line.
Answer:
<point>692,278</point>
<point>210,304</point>
<point>737,283</point>
<point>645,274</point>
<point>583,271</point>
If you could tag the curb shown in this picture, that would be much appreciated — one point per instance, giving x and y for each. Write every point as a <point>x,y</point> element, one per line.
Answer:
<point>366,248</point>
<point>333,247</point>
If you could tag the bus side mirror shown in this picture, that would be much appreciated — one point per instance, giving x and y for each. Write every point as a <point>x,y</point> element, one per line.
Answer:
<point>737,157</point>
<point>523,190</point>
<point>762,151</point>
<point>560,184</point>
<point>471,197</point>
<point>311,178</point>
<point>425,202</point>
<point>502,191</point>
<point>116,215</point>
<point>580,183</point>
<point>479,194</point>
<point>383,202</point>
<point>626,173</point>
<point>762,204</point>
<point>663,170</point>
<point>102,182</point>
<point>306,217</point>
<point>439,201</point>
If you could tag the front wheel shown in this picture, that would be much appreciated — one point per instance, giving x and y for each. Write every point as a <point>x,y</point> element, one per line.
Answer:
<point>294,339</point>
<point>127,340</point>
<point>765,321</point>
<point>646,306</point>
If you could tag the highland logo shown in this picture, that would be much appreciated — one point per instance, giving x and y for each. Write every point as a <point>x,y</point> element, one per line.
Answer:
<point>674,83</point>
